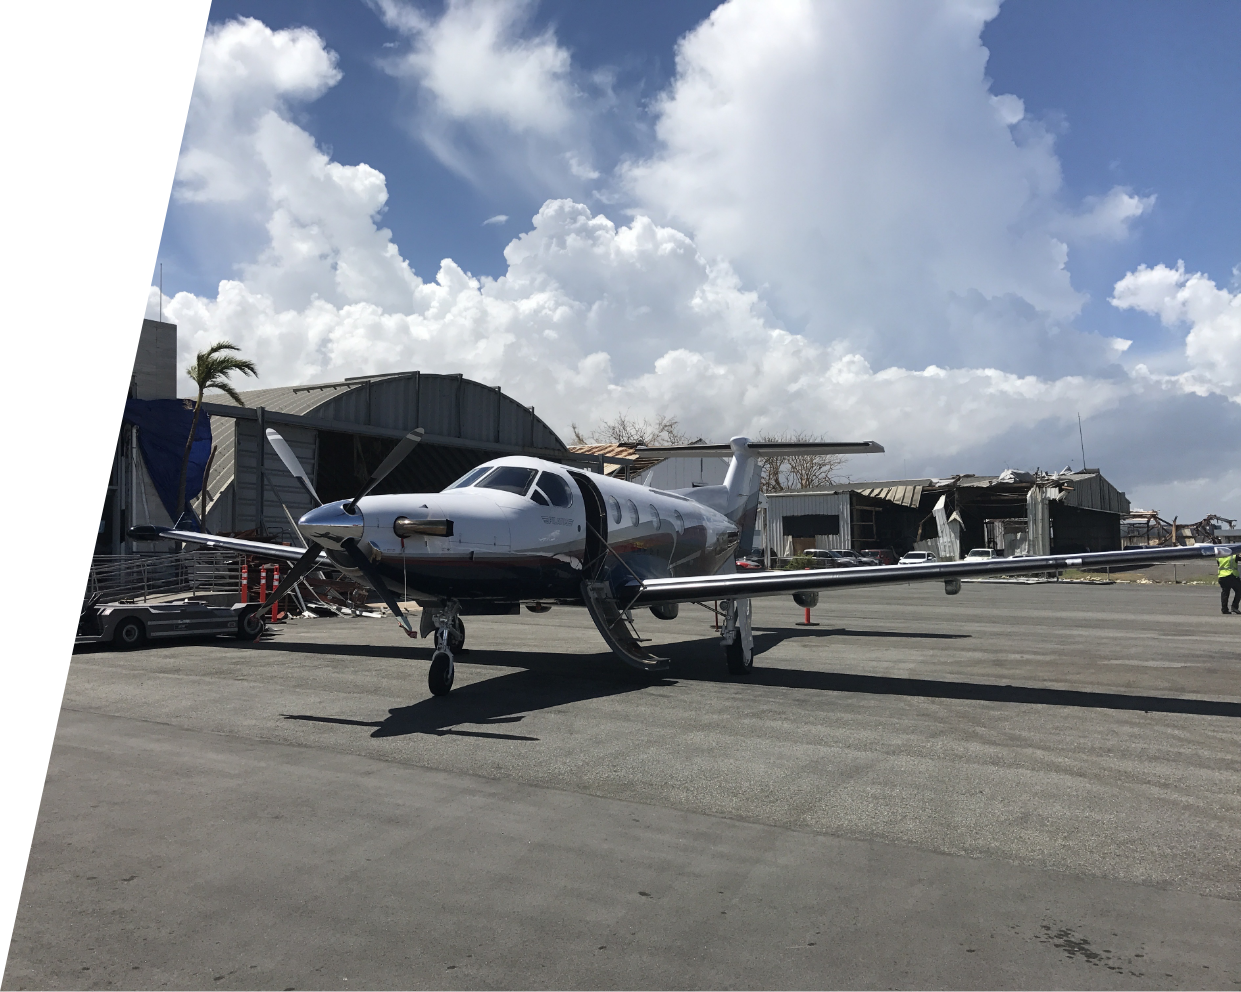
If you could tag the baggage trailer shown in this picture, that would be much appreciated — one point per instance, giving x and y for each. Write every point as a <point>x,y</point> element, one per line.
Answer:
<point>129,625</point>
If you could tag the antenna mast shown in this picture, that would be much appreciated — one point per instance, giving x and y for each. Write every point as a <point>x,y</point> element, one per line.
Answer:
<point>1082,440</point>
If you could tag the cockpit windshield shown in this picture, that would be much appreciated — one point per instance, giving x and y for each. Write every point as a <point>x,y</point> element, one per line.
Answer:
<point>509,478</point>
<point>470,477</point>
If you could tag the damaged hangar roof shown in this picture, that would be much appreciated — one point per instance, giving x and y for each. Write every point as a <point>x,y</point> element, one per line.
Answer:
<point>1088,490</point>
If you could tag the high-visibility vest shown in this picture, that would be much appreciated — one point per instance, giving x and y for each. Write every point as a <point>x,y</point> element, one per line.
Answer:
<point>1227,566</point>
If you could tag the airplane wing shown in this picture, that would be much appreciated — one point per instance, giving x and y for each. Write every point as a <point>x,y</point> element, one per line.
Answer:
<point>259,549</point>
<point>776,583</point>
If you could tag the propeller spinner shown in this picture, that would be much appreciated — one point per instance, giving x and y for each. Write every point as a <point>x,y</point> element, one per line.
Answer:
<point>310,559</point>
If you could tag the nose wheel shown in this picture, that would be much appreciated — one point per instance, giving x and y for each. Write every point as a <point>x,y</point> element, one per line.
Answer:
<point>449,639</point>
<point>439,678</point>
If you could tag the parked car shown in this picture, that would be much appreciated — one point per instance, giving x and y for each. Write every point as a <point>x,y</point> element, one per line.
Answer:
<point>826,558</point>
<point>750,564</point>
<point>859,557</point>
<point>918,558</point>
<point>982,554</point>
<point>884,556</point>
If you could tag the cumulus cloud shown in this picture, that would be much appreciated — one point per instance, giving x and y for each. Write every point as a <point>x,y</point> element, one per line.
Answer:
<point>493,100</point>
<point>1211,315</point>
<point>591,318</point>
<point>245,72</point>
<point>852,160</point>
<point>1105,218</point>
<point>474,62</point>
<point>316,233</point>
<point>654,316</point>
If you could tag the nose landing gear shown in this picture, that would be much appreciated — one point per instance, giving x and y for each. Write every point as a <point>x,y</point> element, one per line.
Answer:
<point>449,633</point>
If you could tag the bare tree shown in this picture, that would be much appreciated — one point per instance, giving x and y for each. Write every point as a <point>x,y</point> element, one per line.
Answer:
<point>797,472</point>
<point>660,429</point>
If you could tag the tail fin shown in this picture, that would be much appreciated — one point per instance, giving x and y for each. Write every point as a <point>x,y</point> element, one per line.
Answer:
<point>741,484</point>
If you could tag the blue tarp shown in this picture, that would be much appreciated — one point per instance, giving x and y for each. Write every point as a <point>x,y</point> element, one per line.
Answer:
<point>163,426</point>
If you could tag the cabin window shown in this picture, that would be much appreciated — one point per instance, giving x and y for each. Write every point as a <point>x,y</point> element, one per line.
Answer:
<point>470,477</point>
<point>678,521</point>
<point>655,516</point>
<point>509,479</point>
<point>555,489</point>
<point>633,511</point>
<point>614,503</point>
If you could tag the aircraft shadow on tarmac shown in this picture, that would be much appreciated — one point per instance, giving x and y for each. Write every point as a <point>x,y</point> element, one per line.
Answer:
<point>544,681</point>
<point>495,702</point>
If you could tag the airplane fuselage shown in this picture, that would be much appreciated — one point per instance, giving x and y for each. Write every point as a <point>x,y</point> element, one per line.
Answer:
<point>530,532</point>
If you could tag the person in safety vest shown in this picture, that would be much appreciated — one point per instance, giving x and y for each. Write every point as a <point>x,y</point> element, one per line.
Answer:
<point>1229,580</point>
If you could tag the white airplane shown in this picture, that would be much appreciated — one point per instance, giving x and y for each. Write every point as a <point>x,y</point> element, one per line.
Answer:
<point>519,530</point>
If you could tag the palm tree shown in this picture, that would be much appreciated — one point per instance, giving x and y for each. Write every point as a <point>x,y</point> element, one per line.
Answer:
<point>210,370</point>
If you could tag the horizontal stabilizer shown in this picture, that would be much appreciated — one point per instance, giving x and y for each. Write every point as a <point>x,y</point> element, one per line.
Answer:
<point>765,449</point>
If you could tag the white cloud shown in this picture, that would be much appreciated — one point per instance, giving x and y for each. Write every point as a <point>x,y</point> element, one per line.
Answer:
<point>851,159</point>
<point>312,220</point>
<point>245,72</point>
<point>475,63</point>
<point>495,100</point>
<point>936,303</point>
<point>1212,315</point>
<point>591,318</point>
<point>1105,218</point>
<point>497,219</point>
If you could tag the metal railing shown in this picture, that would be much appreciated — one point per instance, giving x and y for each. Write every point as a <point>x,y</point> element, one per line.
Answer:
<point>140,578</point>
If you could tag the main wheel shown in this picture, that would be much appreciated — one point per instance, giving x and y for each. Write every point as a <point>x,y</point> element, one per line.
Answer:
<point>439,678</point>
<point>129,634</point>
<point>738,663</point>
<point>456,635</point>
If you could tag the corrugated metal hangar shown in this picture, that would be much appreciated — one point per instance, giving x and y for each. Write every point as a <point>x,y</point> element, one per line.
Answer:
<point>340,431</point>
<point>1014,513</point>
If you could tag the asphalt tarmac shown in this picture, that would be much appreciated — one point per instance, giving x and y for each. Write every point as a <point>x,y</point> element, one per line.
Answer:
<point>1020,786</point>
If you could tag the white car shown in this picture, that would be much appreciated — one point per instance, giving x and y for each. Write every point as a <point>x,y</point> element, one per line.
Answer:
<point>918,558</point>
<point>982,554</point>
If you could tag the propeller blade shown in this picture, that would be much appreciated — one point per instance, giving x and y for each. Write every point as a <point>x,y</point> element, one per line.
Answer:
<point>301,568</point>
<point>297,534</point>
<point>281,447</point>
<point>376,582</point>
<point>397,455</point>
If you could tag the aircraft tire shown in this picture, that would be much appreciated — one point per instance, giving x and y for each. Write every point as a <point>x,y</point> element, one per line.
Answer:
<point>439,678</point>
<point>129,634</point>
<point>738,664</point>
<point>249,624</point>
<point>456,635</point>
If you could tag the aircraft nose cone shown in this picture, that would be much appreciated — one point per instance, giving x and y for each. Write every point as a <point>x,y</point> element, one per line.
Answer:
<point>331,524</point>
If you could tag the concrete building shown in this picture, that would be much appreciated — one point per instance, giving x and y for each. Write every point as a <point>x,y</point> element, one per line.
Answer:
<point>130,496</point>
<point>1015,513</point>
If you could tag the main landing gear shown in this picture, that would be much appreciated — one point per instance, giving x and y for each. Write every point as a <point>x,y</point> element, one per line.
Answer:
<point>446,626</point>
<point>738,636</point>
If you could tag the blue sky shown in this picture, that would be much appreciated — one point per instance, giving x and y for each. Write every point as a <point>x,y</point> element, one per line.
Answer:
<point>947,195</point>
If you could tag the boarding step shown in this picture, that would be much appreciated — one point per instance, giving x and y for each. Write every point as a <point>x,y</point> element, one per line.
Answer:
<point>617,629</point>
